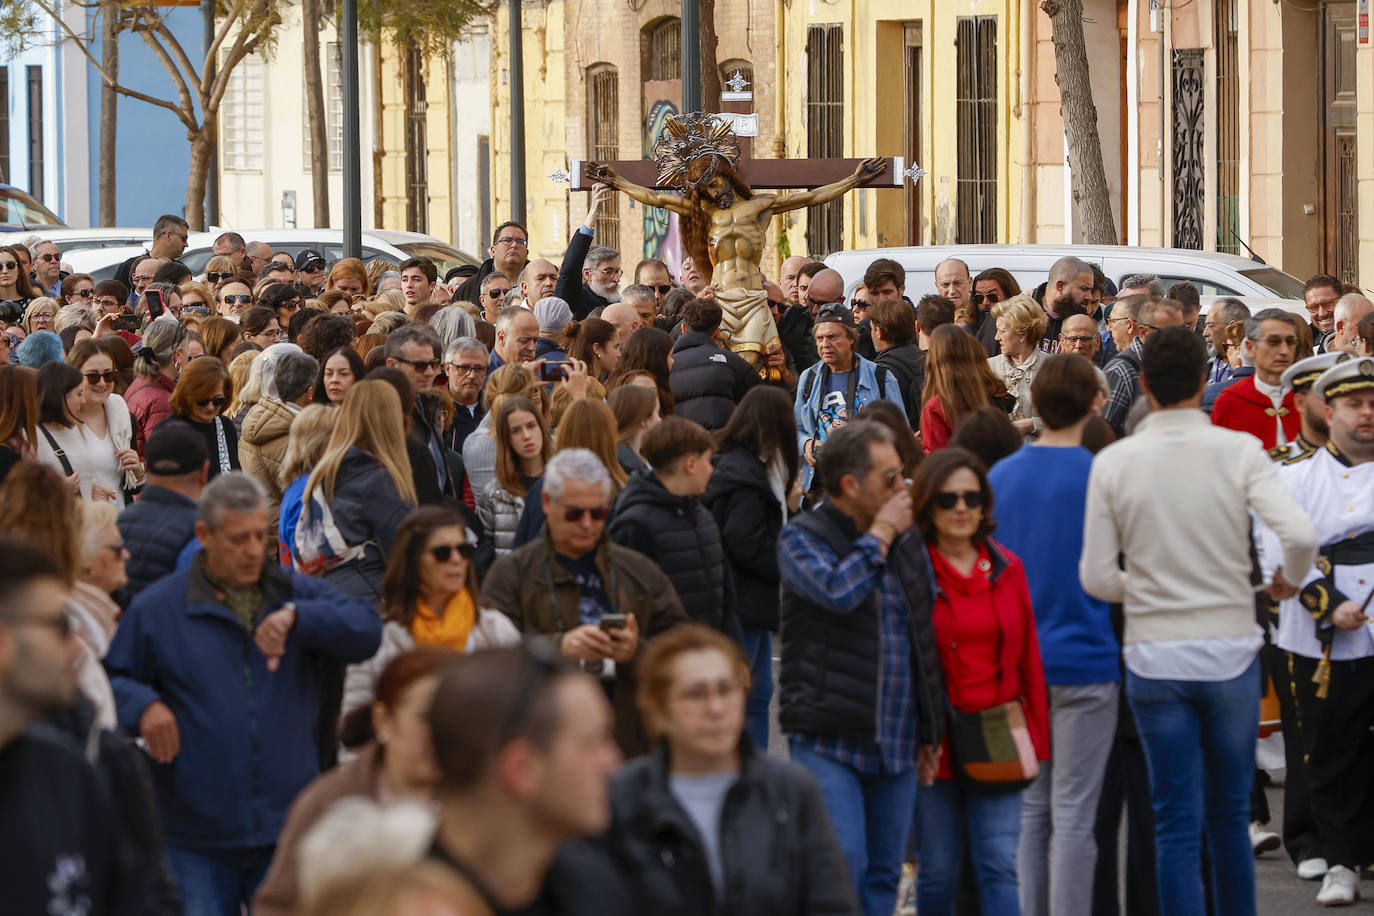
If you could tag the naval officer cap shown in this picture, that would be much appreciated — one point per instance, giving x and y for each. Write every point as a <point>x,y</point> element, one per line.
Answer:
<point>1349,377</point>
<point>1304,373</point>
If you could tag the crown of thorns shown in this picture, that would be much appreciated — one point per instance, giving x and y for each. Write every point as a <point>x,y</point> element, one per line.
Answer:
<point>689,137</point>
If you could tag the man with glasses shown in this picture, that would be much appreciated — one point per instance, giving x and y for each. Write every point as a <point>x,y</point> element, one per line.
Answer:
<point>1078,334</point>
<point>1257,404</point>
<point>1320,294</point>
<point>417,352</point>
<point>1123,372</point>
<point>495,286</point>
<point>47,267</point>
<point>855,586</point>
<point>170,233</point>
<point>510,251</point>
<point>593,598</point>
<point>232,246</point>
<point>310,272</point>
<point>590,276</point>
<point>220,669</point>
<point>465,366</point>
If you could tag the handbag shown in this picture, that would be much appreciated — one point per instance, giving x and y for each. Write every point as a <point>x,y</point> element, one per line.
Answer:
<point>992,750</point>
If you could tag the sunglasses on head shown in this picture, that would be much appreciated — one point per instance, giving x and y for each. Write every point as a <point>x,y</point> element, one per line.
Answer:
<point>973,499</point>
<point>219,402</point>
<point>94,378</point>
<point>442,553</point>
<point>598,514</point>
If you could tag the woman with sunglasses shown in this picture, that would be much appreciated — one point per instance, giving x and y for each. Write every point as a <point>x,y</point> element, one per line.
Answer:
<point>197,296</point>
<point>523,446</point>
<point>218,269</point>
<point>200,399</point>
<point>15,284</point>
<point>232,298</point>
<point>78,289</point>
<point>985,630</point>
<point>108,424</point>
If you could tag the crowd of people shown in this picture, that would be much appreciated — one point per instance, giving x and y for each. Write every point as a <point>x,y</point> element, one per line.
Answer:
<point>343,589</point>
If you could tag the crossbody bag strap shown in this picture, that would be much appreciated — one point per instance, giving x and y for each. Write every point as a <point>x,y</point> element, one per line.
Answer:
<point>61,455</point>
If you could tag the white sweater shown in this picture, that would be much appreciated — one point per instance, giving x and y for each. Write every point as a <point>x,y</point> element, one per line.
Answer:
<point>1174,499</point>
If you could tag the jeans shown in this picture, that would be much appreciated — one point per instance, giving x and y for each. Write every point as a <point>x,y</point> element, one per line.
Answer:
<point>758,649</point>
<point>944,813</point>
<point>1059,809</point>
<point>219,883</point>
<point>872,816</point>
<point>1199,739</point>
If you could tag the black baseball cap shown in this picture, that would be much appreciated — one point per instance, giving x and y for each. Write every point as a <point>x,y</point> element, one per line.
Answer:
<point>837,312</point>
<point>307,258</point>
<point>174,449</point>
<point>11,312</point>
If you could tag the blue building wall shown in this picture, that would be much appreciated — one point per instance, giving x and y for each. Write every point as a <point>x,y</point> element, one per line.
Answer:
<point>154,156</point>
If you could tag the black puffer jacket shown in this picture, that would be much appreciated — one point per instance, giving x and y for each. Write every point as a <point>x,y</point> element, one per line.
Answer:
<point>908,364</point>
<point>777,845</point>
<point>156,529</point>
<point>749,517</point>
<point>678,534</point>
<point>707,380</point>
<point>830,661</point>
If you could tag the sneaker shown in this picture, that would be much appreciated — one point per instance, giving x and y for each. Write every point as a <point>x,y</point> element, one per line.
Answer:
<point>906,891</point>
<point>1340,887</point>
<point>1312,869</point>
<point>1263,840</point>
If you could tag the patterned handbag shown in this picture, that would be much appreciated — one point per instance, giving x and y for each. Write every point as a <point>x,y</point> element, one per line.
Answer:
<point>992,750</point>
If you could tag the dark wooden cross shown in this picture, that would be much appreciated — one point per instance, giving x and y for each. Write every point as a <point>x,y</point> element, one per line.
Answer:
<point>778,174</point>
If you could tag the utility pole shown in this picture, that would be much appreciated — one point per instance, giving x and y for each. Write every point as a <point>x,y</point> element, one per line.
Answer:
<point>517,115</point>
<point>691,56</point>
<point>352,155</point>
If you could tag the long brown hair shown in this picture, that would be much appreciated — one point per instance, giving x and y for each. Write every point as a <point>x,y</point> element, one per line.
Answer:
<point>957,373</point>
<point>18,406</point>
<point>509,473</point>
<point>41,508</point>
<point>370,419</point>
<point>579,337</point>
<point>401,584</point>
<point>22,284</point>
<point>590,424</point>
<point>647,350</point>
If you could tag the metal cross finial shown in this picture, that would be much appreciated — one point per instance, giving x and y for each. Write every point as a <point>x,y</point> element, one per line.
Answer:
<point>560,176</point>
<point>915,173</point>
<point>737,82</point>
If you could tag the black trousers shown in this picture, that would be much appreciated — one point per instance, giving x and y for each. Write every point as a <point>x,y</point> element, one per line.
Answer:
<point>1340,757</point>
<point>1127,783</point>
<point>1299,827</point>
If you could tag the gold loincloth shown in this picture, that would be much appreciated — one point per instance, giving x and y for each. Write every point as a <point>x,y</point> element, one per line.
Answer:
<point>747,323</point>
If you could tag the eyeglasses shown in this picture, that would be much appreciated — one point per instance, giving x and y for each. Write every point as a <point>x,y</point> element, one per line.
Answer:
<point>421,365</point>
<point>980,298</point>
<point>143,278</point>
<point>973,499</point>
<point>442,553</point>
<point>242,299</point>
<point>1076,339</point>
<point>94,378</point>
<point>219,402</point>
<point>312,265</point>
<point>662,289</point>
<point>1277,341</point>
<point>49,257</point>
<point>177,235</point>
<point>41,316</point>
<point>9,265</point>
<point>576,514</point>
<point>607,272</point>
<point>467,370</point>
<point>84,293</point>
<point>513,242</point>
<point>216,277</point>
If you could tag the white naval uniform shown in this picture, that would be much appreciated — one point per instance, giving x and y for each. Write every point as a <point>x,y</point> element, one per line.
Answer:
<point>1339,498</point>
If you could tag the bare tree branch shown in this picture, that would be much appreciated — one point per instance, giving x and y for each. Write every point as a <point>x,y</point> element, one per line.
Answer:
<point>183,61</point>
<point>187,109</point>
<point>221,33</point>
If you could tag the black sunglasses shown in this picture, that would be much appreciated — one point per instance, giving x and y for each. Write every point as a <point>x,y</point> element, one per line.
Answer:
<point>108,376</point>
<point>420,365</point>
<point>219,402</point>
<point>978,298</point>
<point>442,553</point>
<point>973,499</point>
<point>662,289</point>
<point>598,514</point>
<point>215,278</point>
<point>241,298</point>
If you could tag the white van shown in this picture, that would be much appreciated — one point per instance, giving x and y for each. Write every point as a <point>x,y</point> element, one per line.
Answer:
<point>1213,274</point>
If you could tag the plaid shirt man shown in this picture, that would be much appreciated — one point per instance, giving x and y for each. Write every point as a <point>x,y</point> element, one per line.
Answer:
<point>1123,378</point>
<point>842,583</point>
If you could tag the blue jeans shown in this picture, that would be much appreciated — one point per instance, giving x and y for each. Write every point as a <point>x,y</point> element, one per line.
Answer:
<point>758,649</point>
<point>944,812</point>
<point>219,883</point>
<point>1199,739</point>
<point>872,816</point>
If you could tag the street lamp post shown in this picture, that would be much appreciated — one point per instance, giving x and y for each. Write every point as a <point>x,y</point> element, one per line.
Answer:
<point>517,116</point>
<point>352,155</point>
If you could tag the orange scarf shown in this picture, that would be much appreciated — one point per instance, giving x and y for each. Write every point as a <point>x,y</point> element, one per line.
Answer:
<point>451,629</point>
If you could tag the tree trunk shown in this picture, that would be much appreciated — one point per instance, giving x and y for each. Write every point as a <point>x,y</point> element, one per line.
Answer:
<point>710,70</point>
<point>109,113</point>
<point>202,147</point>
<point>314,100</point>
<point>1090,193</point>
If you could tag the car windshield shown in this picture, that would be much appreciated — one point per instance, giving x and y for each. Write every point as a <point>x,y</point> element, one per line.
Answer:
<point>445,257</point>
<point>1282,285</point>
<point>23,211</point>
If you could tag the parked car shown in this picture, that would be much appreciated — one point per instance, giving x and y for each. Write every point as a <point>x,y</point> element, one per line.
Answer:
<point>392,244</point>
<point>21,211</point>
<point>68,240</point>
<point>1214,274</point>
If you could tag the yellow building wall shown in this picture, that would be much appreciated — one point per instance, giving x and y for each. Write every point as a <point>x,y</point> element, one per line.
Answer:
<point>873,116</point>
<point>390,150</point>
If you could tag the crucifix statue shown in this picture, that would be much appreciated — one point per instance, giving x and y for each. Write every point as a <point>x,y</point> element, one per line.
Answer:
<point>724,220</point>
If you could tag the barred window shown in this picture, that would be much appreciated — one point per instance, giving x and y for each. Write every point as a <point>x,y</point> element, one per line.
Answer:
<point>976,105</point>
<point>824,128</point>
<point>241,117</point>
<point>665,50</point>
<point>603,141</point>
<point>333,111</point>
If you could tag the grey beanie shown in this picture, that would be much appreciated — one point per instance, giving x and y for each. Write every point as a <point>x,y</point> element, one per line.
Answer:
<point>553,313</point>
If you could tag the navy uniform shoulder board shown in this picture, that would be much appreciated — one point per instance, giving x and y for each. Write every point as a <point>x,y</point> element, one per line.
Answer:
<point>1307,452</point>
<point>1279,452</point>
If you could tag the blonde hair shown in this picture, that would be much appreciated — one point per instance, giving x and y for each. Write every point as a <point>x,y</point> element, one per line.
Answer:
<point>202,290</point>
<point>240,369</point>
<point>370,419</point>
<point>219,264</point>
<point>388,322</point>
<point>306,441</point>
<point>95,518</point>
<point>1025,318</point>
<point>34,306</point>
<point>359,834</point>
<point>394,298</point>
<point>75,315</point>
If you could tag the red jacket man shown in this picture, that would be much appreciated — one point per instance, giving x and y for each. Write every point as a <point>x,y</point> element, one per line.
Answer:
<point>1248,406</point>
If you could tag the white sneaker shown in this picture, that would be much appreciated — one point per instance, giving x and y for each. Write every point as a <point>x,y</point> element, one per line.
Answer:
<point>1312,869</point>
<point>1263,839</point>
<point>1340,887</point>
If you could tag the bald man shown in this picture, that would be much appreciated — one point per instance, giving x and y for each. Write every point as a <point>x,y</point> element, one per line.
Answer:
<point>625,319</point>
<point>1345,336</point>
<point>787,280</point>
<point>826,287</point>
<point>953,281</point>
<point>538,279</point>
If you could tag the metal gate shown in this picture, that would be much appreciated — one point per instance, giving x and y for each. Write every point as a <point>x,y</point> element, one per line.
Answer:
<point>824,129</point>
<point>976,104</point>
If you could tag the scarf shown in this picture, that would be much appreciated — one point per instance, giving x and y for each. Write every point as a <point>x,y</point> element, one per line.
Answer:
<point>242,602</point>
<point>451,629</point>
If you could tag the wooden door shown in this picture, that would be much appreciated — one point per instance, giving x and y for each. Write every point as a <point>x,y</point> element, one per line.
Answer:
<point>1340,208</point>
<point>911,109</point>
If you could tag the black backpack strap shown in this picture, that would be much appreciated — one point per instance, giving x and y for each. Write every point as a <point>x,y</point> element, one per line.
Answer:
<point>61,455</point>
<point>882,381</point>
